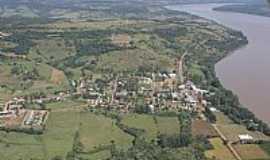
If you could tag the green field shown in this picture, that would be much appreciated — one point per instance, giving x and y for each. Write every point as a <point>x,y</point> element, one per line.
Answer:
<point>251,152</point>
<point>58,138</point>
<point>65,105</point>
<point>152,126</point>
<point>52,49</point>
<point>222,118</point>
<point>232,131</point>
<point>203,128</point>
<point>220,151</point>
<point>168,125</point>
<point>98,131</point>
<point>101,155</point>
<point>266,147</point>
<point>144,122</point>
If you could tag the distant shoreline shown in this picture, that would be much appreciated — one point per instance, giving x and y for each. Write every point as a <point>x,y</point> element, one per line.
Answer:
<point>231,52</point>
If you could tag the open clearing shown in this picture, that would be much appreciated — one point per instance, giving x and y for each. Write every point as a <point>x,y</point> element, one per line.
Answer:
<point>222,118</point>
<point>168,125</point>
<point>144,122</point>
<point>251,152</point>
<point>99,131</point>
<point>203,128</point>
<point>266,147</point>
<point>232,131</point>
<point>95,131</point>
<point>57,140</point>
<point>121,39</point>
<point>58,77</point>
<point>220,151</point>
<point>152,125</point>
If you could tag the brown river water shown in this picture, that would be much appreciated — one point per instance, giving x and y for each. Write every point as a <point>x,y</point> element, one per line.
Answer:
<point>247,70</point>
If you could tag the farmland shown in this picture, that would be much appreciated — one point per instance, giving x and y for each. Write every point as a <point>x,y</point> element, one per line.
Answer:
<point>152,125</point>
<point>168,125</point>
<point>202,128</point>
<point>144,122</point>
<point>232,131</point>
<point>58,138</point>
<point>222,119</point>
<point>266,147</point>
<point>220,151</point>
<point>108,75</point>
<point>91,137</point>
<point>251,151</point>
<point>56,141</point>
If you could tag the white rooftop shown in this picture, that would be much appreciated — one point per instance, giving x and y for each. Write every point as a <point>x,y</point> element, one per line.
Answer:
<point>245,137</point>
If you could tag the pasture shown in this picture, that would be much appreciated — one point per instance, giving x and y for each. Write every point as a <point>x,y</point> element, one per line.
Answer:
<point>266,147</point>
<point>57,140</point>
<point>203,128</point>
<point>220,151</point>
<point>95,132</point>
<point>144,122</point>
<point>222,118</point>
<point>98,132</point>
<point>168,125</point>
<point>152,126</point>
<point>251,152</point>
<point>232,131</point>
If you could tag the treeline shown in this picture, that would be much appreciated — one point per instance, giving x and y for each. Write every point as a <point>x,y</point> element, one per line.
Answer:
<point>184,139</point>
<point>171,33</point>
<point>94,47</point>
<point>223,99</point>
<point>23,41</point>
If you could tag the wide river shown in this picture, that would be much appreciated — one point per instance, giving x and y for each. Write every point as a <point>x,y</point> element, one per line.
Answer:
<point>247,71</point>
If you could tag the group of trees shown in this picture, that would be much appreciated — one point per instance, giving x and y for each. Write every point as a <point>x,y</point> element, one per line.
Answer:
<point>24,73</point>
<point>223,99</point>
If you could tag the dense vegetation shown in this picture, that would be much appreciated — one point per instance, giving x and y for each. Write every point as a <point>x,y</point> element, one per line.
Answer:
<point>86,48</point>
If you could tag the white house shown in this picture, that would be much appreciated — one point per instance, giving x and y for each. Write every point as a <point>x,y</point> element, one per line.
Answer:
<point>245,138</point>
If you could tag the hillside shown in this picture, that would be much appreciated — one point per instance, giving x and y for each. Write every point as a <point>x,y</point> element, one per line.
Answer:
<point>116,80</point>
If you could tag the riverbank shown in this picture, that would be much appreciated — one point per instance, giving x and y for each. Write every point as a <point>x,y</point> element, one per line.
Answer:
<point>255,9</point>
<point>224,99</point>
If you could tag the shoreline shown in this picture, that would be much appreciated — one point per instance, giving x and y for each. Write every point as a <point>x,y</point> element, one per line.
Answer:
<point>219,59</point>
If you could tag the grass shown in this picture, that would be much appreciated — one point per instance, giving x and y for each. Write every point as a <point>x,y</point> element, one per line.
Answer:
<point>266,147</point>
<point>67,104</point>
<point>102,155</point>
<point>52,49</point>
<point>99,131</point>
<point>58,137</point>
<point>144,122</point>
<point>20,152</point>
<point>232,131</point>
<point>220,151</point>
<point>251,152</point>
<point>42,83</point>
<point>222,118</point>
<point>168,125</point>
<point>56,141</point>
<point>200,127</point>
<point>58,77</point>
<point>130,60</point>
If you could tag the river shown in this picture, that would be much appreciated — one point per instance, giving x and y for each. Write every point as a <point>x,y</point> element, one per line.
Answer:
<point>247,71</point>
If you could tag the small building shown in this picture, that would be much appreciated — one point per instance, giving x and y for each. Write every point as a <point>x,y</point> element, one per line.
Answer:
<point>245,138</point>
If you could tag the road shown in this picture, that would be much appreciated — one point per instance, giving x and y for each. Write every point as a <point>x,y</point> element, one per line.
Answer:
<point>228,143</point>
<point>180,65</point>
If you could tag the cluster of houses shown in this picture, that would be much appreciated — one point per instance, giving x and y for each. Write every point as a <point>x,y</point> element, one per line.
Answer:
<point>15,116</point>
<point>2,34</point>
<point>159,91</point>
<point>155,91</point>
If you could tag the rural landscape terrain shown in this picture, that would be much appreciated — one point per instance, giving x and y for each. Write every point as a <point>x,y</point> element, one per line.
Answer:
<point>119,80</point>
